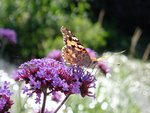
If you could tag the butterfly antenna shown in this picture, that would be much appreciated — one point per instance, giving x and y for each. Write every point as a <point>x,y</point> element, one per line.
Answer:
<point>107,56</point>
<point>118,53</point>
<point>103,58</point>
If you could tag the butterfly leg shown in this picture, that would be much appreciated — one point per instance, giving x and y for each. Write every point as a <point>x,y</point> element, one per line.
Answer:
<point>93,67</point>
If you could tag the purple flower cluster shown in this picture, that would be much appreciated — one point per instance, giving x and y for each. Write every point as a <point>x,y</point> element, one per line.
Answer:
<point>55,54</point>
<point>49,75</point>
<point>91,52</point>
<point>5,102</point>
<point>102,65</point>
<point>9,35</point>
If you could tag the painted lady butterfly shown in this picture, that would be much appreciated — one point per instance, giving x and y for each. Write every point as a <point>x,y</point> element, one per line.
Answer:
<point>74,52</point>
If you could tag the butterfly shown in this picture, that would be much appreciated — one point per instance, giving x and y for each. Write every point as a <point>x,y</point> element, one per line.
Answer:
<point>74,52</point>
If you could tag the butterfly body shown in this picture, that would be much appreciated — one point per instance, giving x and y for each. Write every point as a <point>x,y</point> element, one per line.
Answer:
<point>74,52</point>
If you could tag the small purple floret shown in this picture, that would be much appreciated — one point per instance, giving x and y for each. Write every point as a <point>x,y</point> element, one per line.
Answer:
<point>56,96</point>
<point>55,54</point>
<point>5,102</point>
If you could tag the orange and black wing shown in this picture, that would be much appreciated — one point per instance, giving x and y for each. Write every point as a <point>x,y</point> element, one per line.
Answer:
<point>74,52</point>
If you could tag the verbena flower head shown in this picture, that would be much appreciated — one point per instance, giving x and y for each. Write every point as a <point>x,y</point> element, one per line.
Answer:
<point>55,54</point>
<point>91,52</point>
<point>5,102</point>
<point>49,74</point>
<point>9,35</point>
<point>103,66</point>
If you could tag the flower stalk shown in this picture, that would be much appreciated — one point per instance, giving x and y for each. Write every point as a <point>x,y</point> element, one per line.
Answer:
<point>44,102</point>
<point>3,44</point>
<point>65,99</point>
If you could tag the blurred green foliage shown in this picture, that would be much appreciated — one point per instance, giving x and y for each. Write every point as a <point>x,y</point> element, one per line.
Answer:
<point>38,23</point>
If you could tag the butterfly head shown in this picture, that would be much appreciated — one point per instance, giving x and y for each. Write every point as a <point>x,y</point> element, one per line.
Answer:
<point>94,60</point>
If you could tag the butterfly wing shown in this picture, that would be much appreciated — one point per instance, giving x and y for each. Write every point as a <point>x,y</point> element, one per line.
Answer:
<point>74,52</point>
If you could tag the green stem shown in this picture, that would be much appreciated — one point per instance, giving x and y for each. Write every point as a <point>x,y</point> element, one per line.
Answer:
<point>62,103</point>
<point>2,47</point>
<point>44,102</point>
<point>19,96</point>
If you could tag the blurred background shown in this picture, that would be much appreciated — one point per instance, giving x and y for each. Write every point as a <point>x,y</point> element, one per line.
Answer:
<point>31,29</point>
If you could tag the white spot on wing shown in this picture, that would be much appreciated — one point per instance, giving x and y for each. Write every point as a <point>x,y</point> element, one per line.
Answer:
<point>74,38</point>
